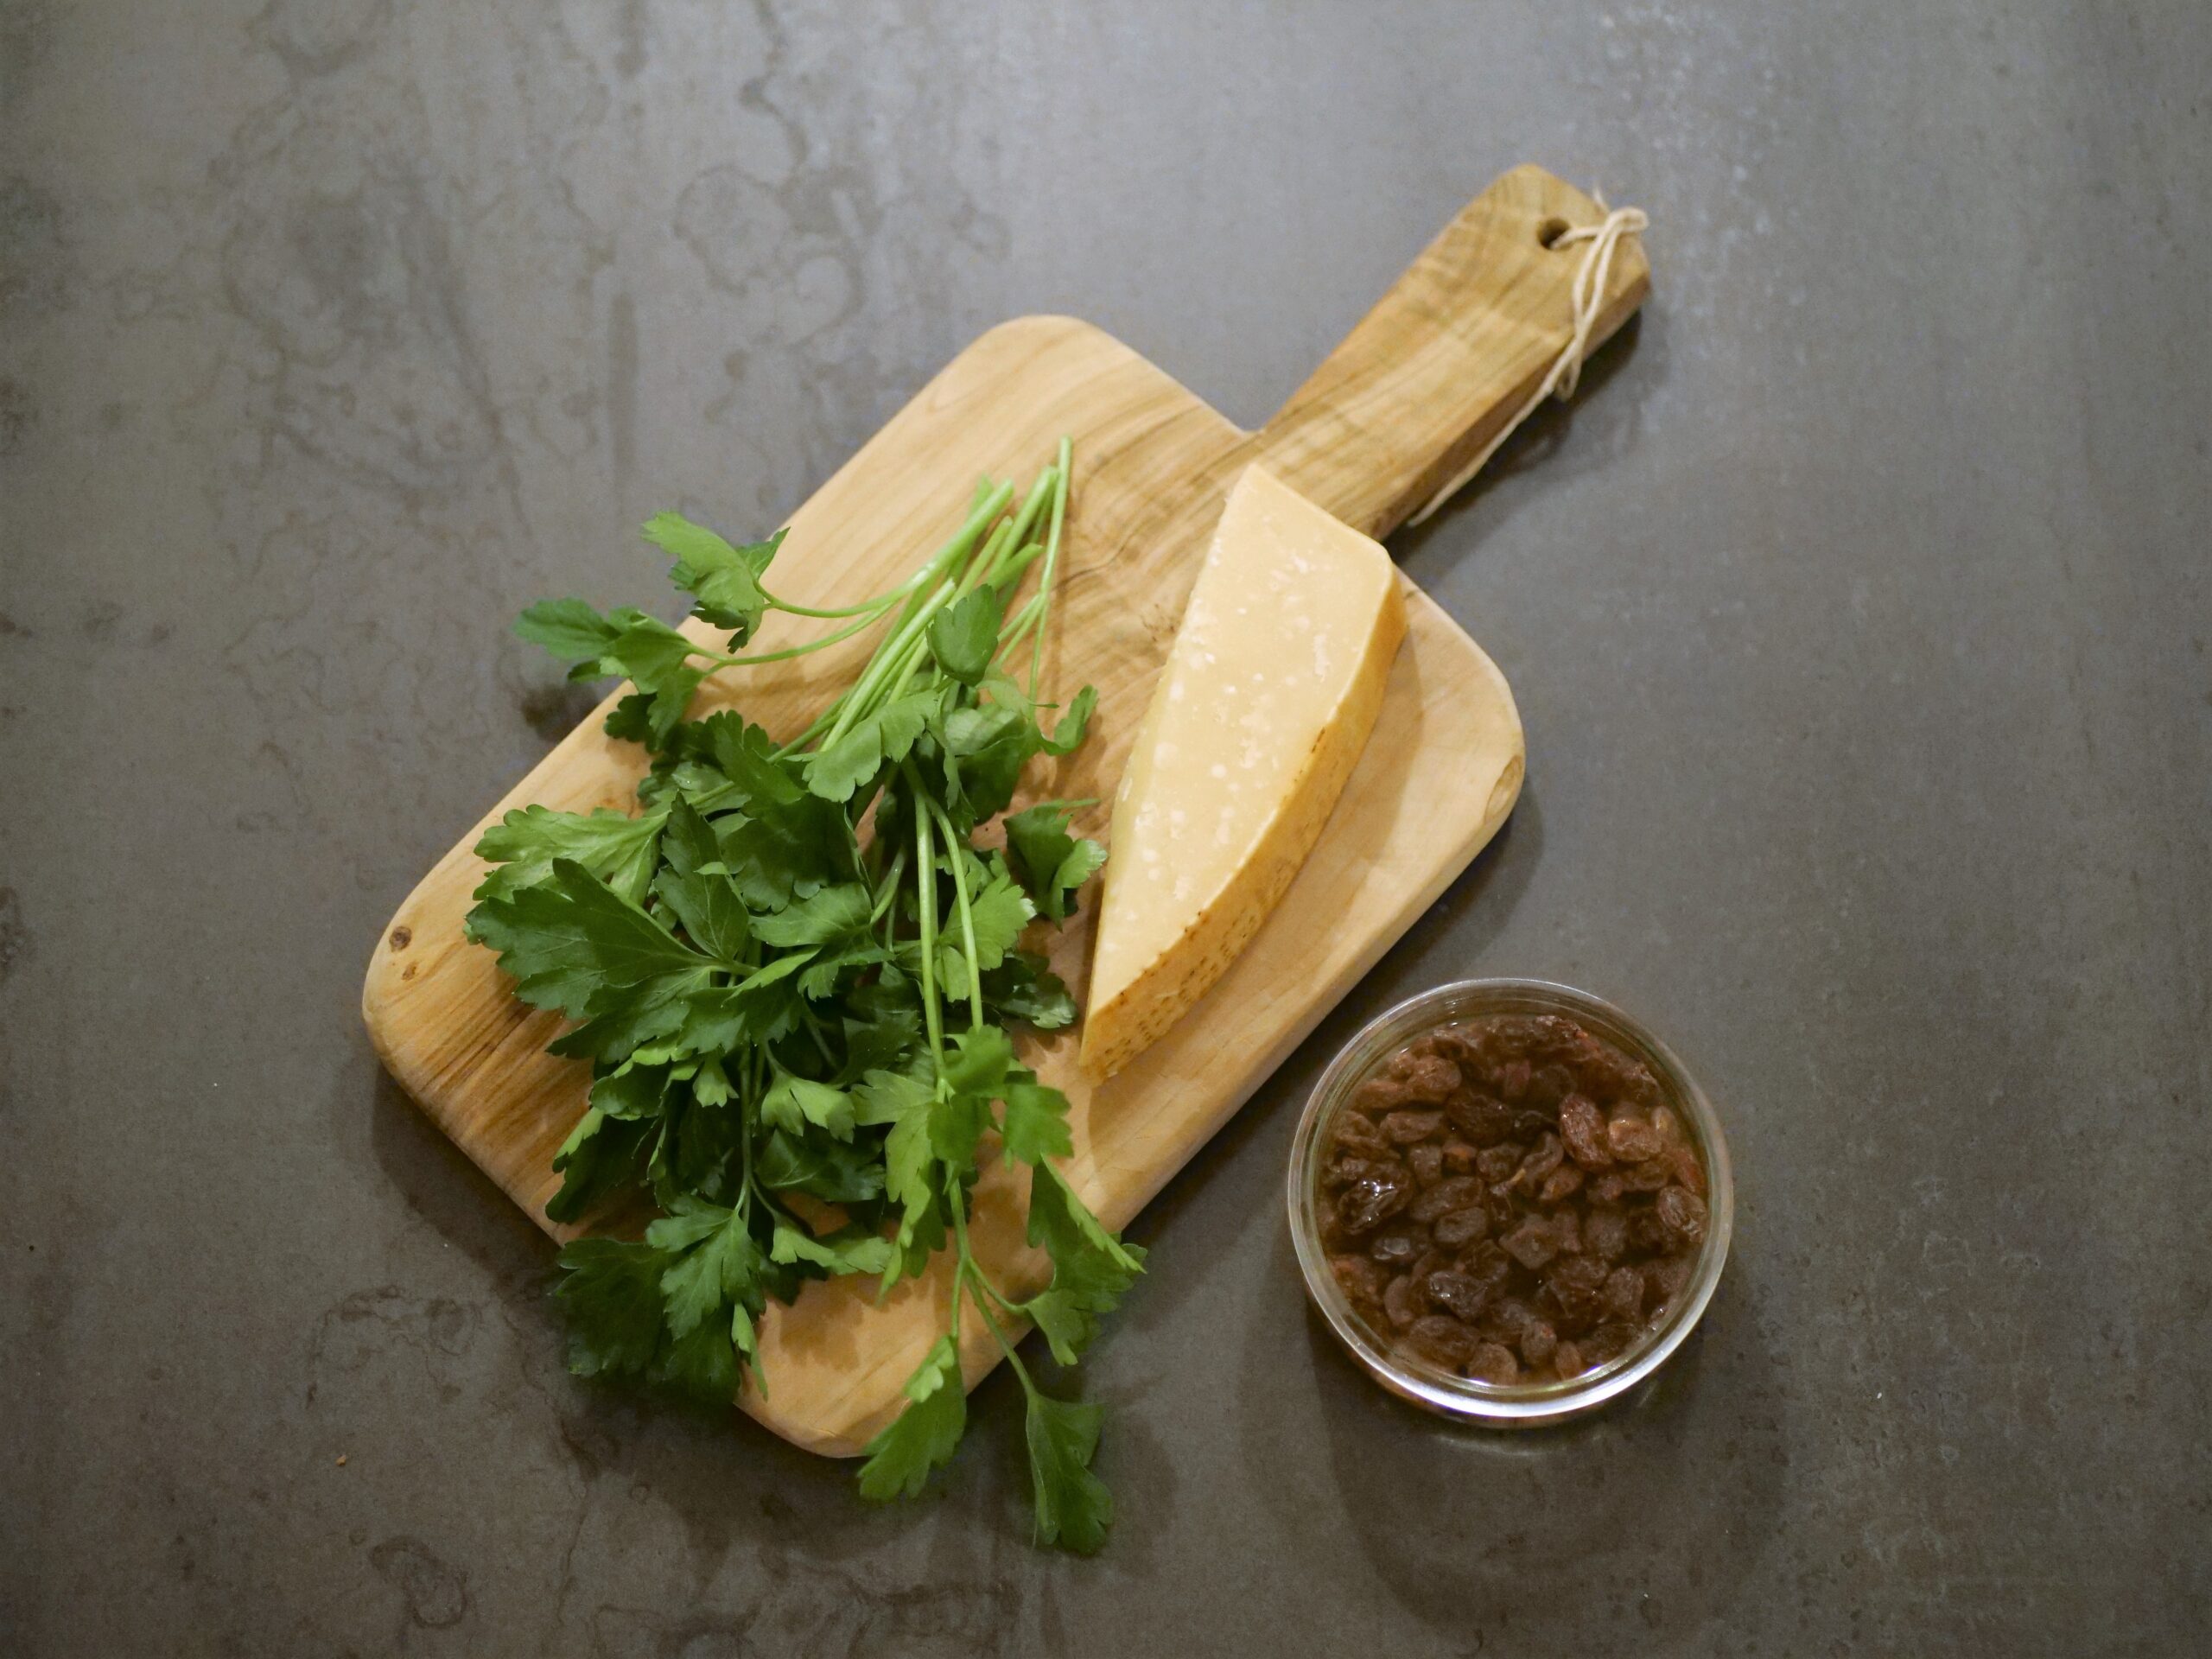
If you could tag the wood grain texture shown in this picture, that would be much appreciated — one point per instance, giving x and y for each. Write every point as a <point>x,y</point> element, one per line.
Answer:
<point>1468,328</point>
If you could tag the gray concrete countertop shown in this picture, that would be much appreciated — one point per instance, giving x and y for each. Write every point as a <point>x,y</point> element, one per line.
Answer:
<point>1858,611</point>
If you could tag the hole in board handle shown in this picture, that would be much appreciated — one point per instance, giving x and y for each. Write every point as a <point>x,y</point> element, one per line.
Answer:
<point>1548,232</point>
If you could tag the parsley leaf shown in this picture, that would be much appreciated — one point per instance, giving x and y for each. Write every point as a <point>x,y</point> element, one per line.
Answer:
<point>1074,1509</point>
<point>571,937</point>
<point>725,579</point>
<point>620,849</point>
<point>922,1436</point>
<point>1036,1123</point>
<point>1052,863</point>
<point>964,635</point>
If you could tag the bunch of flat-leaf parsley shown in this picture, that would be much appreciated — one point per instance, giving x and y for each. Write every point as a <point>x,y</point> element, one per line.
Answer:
<point>798,1031</point>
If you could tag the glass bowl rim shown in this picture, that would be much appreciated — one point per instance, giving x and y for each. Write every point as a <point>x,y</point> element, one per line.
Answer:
<point>1518,1405</point>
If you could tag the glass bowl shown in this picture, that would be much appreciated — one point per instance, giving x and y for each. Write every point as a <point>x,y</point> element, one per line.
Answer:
<point>1407,1374</point>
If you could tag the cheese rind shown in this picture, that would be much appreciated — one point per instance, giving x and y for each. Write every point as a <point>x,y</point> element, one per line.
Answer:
<point>1266,701</point>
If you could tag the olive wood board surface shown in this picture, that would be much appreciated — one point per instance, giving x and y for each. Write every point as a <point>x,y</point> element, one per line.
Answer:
<point>1438,366</point>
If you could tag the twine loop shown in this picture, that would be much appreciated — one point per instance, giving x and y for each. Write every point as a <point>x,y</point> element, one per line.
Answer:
<point>1588,298</point>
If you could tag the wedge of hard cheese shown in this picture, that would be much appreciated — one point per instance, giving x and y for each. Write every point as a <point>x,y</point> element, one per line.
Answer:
<point>1263,708</point>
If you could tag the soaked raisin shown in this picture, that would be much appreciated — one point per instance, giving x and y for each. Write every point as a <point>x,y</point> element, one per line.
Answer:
<point>1511,1079</point>
<point>1543,1158</point>
<point>1530,1243</point>
<point>1443,1339</point>
<point>1462,1227</point>
<point>1629,1139</point>
<point>1666,1279</point>
<point>1682,1214</point>
<point>1649,1176</point>
<point>1623,1295</point>
<point>1380,1095</point>
<point>1446,1197</point>
<point>1498,1163</point>
<point>1668,1127</point>
<point>1605,1235</point>
<point>1493,1362</point>
<point>1582,1126</point>
<point>1427,1163</point>
<point>1429,1076</point>
<point>1487,1262</point>
<point>1647,1232</point>
<point>1355,1134</point>
<point>1458,1294</point>
<point>1550,1085</point>
<point>1567,1232</point>
<point>1567,1361</point>
<point>1373,1199</point>
<point>1401,1302</point>
<point>1485,1122</point>
<point>1459,1157</point>
<point>1363,1281</point>
<point>1539,1342</point>
<point>1688,1172</point>
<point>1561,1183</point>
<point>1406,1127</point>
<point>1396,1247</point>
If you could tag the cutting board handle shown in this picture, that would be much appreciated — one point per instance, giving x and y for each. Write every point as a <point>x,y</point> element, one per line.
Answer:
<point>1448,356</point>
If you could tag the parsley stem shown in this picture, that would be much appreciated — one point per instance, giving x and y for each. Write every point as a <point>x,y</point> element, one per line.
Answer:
<point>846,632</point>
<point>880,602</point>
<point>966,911</point>
<point>1052,560</point>
<point>925,903</point>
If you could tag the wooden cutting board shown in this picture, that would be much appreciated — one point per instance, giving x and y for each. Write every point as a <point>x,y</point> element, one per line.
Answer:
<point>1426,379</point>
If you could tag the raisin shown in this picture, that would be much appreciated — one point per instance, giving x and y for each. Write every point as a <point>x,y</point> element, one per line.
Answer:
<point>1406,1127</point>
<point>1531,1244</point>
<point>1462,1227</point>
<point>1605,1235</point>
<point>1459,1157</point>
<point>1428,1164</point>
<point>1649,1176</point>
<point>1576,1284</point>
<point>1567,1361</point>
<point>1511,1079</point>
<point>1668,1127</point>
<point>1561,1183</point>
<point>1623,1295</point>
<point>1647,1232</point>
<point>1682,1214</point>
<point>1442,1339</point>
<point>1401,1302</point>
<point>1482,1120</point>
<point>1543,1158</point>
<point>1345,1171</point>
<point>1487,1263</point>
<point>1548,1087</point>
<point>1428,1077</point>
<point>1458,1293</point>
<point>1355,1134</point>
<point>1629,1139</point>
<point>1508,1320</point>
<point>1380,1095</point>
<point>1372,1200</point>
<point>1607,1189</point>
<point>1498,1163</point>
<point>1666,1279</point>
<point>1582,1126</point>
<point>1538,1341</point>
<point>1395,1246</point>
<point>1567,1232</point>
<point>1688,1172</point>
<point>1493,1362</point>
<point>1428,1262</point>
<point>1527,1125</point>
<point>1362,1280</point>
<point>1446,1197</point>
<point>1609,1341</point>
